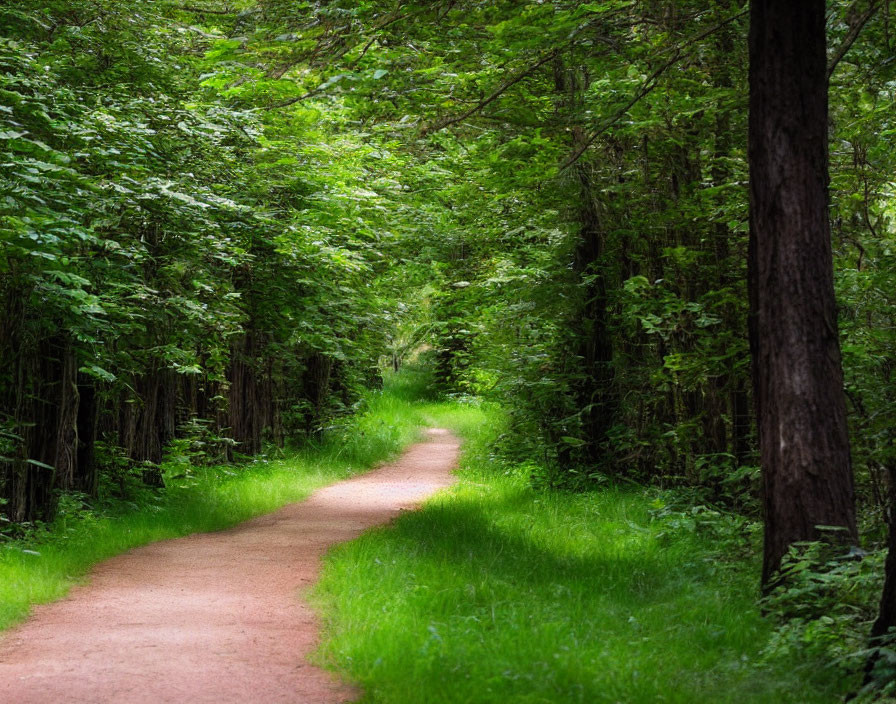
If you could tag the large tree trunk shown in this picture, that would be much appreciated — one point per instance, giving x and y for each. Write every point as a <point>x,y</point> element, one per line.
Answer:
<point>798,380</point>
<point>245,397</point>
<point>147,419</point>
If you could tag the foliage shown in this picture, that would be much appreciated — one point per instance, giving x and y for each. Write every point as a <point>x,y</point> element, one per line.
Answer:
<point>824,605</point>
<point>170,262</point>
<point>220,222</point>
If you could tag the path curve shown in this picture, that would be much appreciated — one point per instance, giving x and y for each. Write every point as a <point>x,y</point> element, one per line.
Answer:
<point>212,618</point>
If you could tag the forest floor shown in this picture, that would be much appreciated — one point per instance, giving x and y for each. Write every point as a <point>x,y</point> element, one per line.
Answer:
<point>214,617</point>
<point>495,591</point>
<point>498,591</point>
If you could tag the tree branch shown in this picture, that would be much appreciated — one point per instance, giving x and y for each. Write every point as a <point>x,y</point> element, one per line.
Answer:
<point>500,90</point>
<point>648,85</point>
<point>394,17</point>
<point>205,10</point>
<point>298,99</point>
<point>510,82</point>
<point>397,16</point>
<point>855,28</point>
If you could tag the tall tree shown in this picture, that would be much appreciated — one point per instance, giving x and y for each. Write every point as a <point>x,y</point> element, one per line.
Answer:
<point>798,380</point>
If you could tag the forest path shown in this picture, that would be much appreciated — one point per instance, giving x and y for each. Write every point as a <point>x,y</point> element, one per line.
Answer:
<point>213,617</point>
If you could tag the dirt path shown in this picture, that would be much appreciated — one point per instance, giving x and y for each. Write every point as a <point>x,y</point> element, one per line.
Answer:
<point>216,617</point>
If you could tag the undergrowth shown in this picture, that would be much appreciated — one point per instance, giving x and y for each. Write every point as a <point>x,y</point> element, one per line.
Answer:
<point>42,561</point>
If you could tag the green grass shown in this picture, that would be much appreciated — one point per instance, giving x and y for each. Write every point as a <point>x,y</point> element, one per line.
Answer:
<point>45,566</point>
<point>494,592</point>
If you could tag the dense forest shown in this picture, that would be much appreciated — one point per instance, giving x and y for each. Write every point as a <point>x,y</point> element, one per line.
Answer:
<point>660,234</point>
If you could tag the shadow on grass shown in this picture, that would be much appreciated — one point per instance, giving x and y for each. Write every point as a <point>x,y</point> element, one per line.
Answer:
<point>508,595</point>
<point>463,535</point>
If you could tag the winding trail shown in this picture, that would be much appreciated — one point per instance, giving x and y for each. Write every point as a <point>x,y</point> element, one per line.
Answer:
<point>212,618</point>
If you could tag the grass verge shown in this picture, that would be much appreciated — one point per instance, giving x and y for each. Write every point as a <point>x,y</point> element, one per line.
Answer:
<point>44,566</point>
<point>494,592</point>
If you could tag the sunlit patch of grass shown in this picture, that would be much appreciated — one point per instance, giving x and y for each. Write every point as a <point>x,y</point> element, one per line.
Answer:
<point>45,566</point>
<point>495,592</point>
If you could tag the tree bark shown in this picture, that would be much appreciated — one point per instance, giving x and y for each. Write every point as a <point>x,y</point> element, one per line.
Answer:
<point>245,397</point>
<point>87,479</point>
<point>316,388</point>
<point>595,391</point>
<point>65,458</point>
<point>797,376</point>
<point>886,615</point>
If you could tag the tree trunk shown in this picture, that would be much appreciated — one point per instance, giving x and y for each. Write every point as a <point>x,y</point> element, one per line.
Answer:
<point>732,383</point>
<point>246,390</point>
<point>65,458</point>
<point>316,389</point>
<point>886,615</point>
<point>87,479</point>
<point>798,381</point>
<point>46,412</point>
<point>596,389</point>
<point>594,392</point>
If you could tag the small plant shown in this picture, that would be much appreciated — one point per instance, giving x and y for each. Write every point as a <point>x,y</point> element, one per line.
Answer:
<point>880,680</point>
<point>73,512</point>
<point>824,604</point>
<point>196,445</point>
<point>735,536</point>
<point>120,476</point>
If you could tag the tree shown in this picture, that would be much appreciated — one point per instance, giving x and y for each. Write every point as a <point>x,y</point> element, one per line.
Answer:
<point>797,375</point>
<point>173,269</point>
